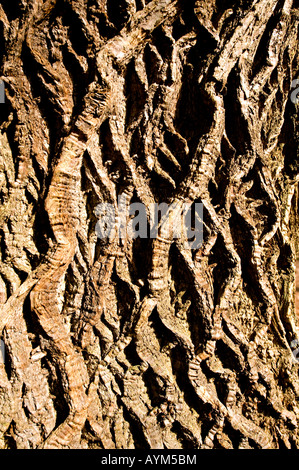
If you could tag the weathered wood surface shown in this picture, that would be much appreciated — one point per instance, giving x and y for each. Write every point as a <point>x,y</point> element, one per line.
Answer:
<point>146,343</point>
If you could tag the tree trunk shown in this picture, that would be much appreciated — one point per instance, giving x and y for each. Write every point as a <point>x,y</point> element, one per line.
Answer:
<point>128,343</point>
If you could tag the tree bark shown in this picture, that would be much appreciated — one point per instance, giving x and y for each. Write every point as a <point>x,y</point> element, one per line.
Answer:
<point>138,342</point>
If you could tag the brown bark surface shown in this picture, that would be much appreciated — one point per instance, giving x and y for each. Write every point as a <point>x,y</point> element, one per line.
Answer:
<point>297,290</point>
<point>144,343</point>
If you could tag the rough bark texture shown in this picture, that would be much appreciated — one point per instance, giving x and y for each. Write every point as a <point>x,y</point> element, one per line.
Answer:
<point>145,343</point>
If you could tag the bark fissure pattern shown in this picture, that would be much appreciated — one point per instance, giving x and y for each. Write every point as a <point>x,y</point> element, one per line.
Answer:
<point>146,343</point>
